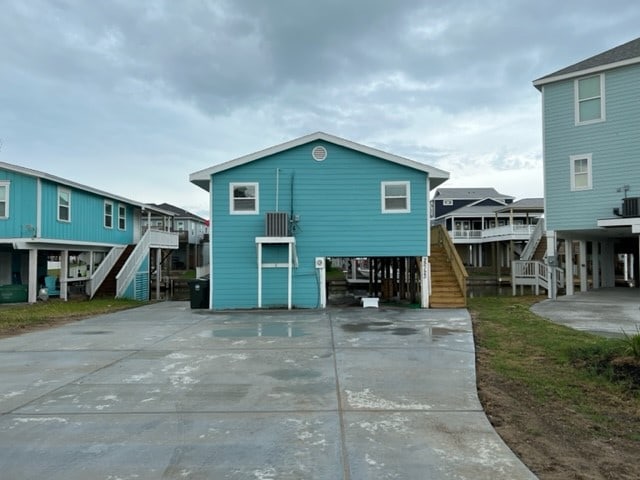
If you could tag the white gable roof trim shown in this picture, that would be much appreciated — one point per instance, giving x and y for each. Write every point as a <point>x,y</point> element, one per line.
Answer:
<point>203,177</point>
<point>69,183</point>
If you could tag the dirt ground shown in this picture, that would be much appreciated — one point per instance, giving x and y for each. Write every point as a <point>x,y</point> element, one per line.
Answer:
<point>554,442</point>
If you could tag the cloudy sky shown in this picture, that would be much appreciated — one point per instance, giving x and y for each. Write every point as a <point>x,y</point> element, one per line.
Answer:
<point>133,96</point>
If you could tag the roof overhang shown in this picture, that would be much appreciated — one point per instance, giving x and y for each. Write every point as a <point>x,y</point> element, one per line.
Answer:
<point>53,244</point>
<point>633,223</point>
<point>202,178</point>
<point>539,83</point>
<point>69,183</point>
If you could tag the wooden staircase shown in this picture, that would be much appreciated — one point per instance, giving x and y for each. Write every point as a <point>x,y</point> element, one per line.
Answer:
<point>445,290</point>
<point>109,286</point>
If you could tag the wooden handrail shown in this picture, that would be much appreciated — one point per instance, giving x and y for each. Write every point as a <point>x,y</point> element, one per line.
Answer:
<point>440,236</point>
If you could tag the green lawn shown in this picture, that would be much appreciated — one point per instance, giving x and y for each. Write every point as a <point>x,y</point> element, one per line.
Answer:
<point>13,318</point>
<point>556,363</point>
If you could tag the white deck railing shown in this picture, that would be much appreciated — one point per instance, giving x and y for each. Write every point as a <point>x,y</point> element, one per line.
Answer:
<point>150,239</point>
<point>534,240</point>
<point>533,273</point>
<point>511,231</point>
<point>103,270</point>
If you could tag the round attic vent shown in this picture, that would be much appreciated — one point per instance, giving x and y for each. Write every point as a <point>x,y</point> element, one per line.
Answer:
<point>319,153</point>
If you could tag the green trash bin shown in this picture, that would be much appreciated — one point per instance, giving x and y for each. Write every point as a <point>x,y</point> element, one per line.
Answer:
<point>199,293</point>
<point>14,293</point>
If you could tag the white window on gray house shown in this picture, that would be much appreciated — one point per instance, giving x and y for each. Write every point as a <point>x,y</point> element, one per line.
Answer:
<point>64,205</point>
<point>4,199</point>
<point>243,198</point>
<point>580,166</point>
<point>180,225</point>
<point>589,95</point>
<point>108,214</point>
<point>122,217</point>
<point>395,197</point>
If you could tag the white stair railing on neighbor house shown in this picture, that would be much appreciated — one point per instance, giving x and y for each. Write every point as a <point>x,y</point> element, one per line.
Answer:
<point>103,270</point>
<point>202,271</point>
<point>534,273</point>
<point>534,240</point>
<point>151,239</point>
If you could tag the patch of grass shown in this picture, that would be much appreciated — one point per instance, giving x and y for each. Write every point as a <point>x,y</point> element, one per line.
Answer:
<point>16,317</point>
<point>335,273</point>
<point>632,343</point>
<point>555,363</point>
<point>189,274</point>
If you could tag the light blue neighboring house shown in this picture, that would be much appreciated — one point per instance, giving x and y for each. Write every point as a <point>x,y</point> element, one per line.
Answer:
<point>591,136</point>
<point>68,237</point>
<point>278,214</point>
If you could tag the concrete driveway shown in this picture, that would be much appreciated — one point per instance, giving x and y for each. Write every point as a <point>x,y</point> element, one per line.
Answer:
<point>166,392</point>
<point>605,311</point>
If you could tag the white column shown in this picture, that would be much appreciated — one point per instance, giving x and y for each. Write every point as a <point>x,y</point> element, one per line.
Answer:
<point>33,275</point>
<point>322,274</point>
<point>259,275</point>
<point>582,265</point>
<point>425,288</point>
<point>290,276</point>
<point>552,254</point>
<point>64,273</point>
<point>568,254</point>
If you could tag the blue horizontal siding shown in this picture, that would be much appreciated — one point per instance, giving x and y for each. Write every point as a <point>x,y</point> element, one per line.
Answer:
<point>614,145</point>
<point>338,202</point>
<point>87,218</point>
<point>22,206</point>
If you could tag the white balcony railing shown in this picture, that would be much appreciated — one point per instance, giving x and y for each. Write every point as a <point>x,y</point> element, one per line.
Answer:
<point>520,232</point>
<point>151,239</point>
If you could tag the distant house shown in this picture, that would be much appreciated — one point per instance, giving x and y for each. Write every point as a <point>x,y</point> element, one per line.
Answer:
<point>72,238</point>
<point>446,200</point>
<point>193,234</point>
<point>488,228</point>
<point>280,214</point>
<point>591,115</point>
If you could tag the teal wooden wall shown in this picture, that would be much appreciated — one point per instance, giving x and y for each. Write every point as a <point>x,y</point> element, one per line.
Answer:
<point>87,213</point>
<point>87,218</point>
<point>22,205</point>
<point>338,202</point>
<point>614,145</point>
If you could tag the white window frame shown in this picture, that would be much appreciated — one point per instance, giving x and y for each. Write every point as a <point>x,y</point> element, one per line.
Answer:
<point>577,100</point>
<point>5,200</point>
<point>106,215</point>
<point>406,196</point>
<point>68,207</point>
<point>122,217</point>
<point>573,173</point>
<point>232,209</point>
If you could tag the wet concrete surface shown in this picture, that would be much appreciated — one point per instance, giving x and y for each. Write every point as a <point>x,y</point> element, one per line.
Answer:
<point>165,392</point>
<point>607,311</point>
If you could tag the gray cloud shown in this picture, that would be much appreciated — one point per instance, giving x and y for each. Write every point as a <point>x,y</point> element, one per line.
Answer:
<point>172,87</point>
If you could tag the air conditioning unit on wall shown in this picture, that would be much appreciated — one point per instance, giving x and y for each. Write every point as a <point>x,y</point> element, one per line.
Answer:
<point>631,207</point>
<point>320,262</point>
<point>276,224</point>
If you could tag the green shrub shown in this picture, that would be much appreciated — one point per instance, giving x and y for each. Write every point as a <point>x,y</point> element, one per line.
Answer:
<point>632,343</point>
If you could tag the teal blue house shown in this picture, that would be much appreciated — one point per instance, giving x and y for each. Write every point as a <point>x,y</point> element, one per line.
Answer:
<point>277,215</point>
<point>70,238</point>
<point>591,136</point>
